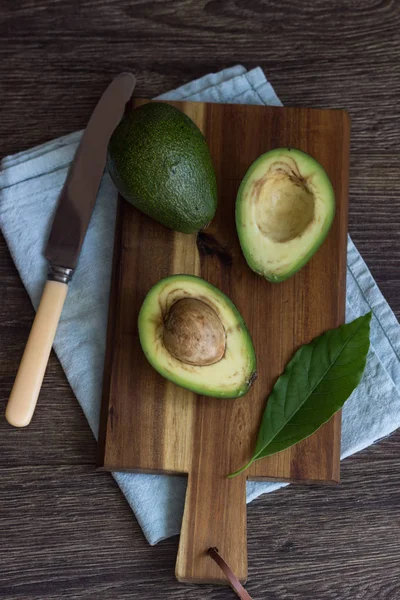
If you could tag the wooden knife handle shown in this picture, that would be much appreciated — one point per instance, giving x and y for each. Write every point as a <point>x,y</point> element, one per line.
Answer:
<point>28,382</point>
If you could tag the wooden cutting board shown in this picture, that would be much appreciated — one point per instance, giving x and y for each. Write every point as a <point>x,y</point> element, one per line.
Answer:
<point>150,425</point>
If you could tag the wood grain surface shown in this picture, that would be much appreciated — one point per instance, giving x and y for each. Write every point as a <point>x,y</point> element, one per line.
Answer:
<point>151,425</point>
<point>65,530</point>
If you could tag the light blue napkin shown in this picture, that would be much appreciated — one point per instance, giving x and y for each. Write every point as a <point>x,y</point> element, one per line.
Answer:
<point>30,183</point>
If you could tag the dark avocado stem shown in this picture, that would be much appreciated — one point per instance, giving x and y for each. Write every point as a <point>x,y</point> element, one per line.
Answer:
<point>253,378</point>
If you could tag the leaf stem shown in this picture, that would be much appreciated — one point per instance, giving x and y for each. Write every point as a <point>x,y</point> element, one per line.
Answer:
<point>246,466</point>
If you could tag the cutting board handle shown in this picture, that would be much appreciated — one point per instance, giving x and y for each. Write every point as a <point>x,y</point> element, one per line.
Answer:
<point>214,516</point>
<point>25,392</point>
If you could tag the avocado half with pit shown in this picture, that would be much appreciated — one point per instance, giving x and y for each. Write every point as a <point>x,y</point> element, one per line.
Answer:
<point>284,209</point>
<point>193,335</point>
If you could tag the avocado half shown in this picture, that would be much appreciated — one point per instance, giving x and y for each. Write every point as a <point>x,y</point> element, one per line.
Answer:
<point>284,209</point>
<point>193,335</point>
<point>159,161</point>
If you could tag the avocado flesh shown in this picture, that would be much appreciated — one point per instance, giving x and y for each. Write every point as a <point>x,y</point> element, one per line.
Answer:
<point>231,353</point>
<point>284,209</point>
<point>160,162</point>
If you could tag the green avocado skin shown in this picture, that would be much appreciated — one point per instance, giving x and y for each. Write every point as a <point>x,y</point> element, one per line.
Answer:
<point>160,162</point>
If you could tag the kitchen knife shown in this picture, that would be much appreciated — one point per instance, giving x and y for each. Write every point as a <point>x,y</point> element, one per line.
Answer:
<point>71,221</point>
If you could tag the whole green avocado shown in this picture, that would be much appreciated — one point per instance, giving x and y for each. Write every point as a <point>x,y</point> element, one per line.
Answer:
<point>160,162</point>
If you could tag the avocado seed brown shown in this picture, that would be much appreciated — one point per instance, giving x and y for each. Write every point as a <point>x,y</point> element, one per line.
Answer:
<point>193,333</point>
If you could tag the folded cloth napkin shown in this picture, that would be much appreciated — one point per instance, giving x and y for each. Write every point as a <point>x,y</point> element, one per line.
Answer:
<point>30,183</point>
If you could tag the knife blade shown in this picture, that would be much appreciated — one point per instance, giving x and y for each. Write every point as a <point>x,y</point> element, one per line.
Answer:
<point>71,220</point>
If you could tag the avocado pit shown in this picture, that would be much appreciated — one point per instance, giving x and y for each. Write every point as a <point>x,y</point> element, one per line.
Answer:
<point>193,333</point>
<point>285,205</point>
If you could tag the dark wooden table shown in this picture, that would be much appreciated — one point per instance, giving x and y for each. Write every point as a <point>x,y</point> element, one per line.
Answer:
<point>65,530</point>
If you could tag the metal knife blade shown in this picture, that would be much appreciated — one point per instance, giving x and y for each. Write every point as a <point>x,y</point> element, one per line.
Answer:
<point>78,195</point>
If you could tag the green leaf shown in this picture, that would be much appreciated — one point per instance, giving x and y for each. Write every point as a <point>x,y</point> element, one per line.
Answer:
<point>315,384</point>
